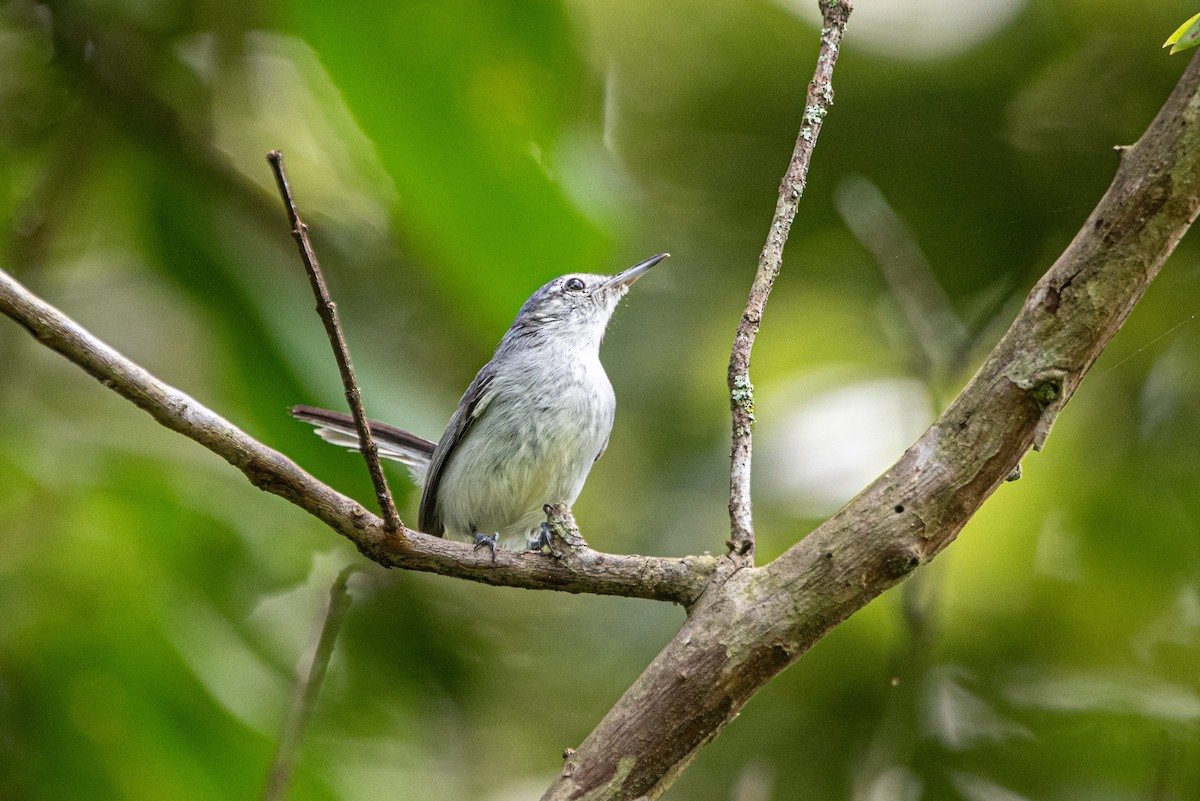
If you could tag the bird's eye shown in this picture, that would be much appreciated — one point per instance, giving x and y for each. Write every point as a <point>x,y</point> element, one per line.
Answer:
<point>574,284</point>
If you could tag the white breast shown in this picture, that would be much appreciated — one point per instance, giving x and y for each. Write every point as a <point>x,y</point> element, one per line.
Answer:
<point>533,443</point>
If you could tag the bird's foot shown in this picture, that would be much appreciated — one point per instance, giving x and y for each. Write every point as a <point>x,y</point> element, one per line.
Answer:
<point>491,542</point>
<point>542,540</point>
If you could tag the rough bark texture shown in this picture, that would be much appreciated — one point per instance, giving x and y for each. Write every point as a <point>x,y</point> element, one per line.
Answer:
<point>758,621</point>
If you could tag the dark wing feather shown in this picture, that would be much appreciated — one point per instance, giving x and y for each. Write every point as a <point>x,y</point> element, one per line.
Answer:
<point>456,429</point>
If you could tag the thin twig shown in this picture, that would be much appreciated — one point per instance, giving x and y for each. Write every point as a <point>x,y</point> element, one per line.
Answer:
<point>308,686</point>
<point>328,314</point>
<point>741,391</point>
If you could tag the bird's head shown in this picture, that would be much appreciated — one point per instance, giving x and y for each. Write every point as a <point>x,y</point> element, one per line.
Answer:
<point>577,304</point>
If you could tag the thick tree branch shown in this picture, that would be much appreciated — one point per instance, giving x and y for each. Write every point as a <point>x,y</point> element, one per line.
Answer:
<point>676,580</point>
<point>327,311</point>
<point>770,261</point>
<point>746,630</point>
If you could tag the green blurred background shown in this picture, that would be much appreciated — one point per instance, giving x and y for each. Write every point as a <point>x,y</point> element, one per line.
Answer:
<point>451,157</point>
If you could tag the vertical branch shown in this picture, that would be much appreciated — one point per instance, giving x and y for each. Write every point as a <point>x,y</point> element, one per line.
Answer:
<point>308,685</point>
<point>328,314</point>
<point>741,391</point>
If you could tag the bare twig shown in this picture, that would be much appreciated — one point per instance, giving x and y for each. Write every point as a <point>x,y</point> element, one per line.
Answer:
<point>328,314</point>
<point>675,580</point>
<point>741,391</point>
<point>308,686</point>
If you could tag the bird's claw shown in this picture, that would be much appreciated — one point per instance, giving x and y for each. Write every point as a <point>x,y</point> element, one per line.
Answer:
<point>483,539</point>
<point>542,540</point>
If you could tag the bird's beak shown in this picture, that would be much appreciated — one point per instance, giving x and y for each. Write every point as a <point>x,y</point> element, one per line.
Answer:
<point>635,272</point>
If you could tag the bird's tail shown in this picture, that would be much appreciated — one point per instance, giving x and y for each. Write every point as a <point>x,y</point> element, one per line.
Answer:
<point>394,443</point>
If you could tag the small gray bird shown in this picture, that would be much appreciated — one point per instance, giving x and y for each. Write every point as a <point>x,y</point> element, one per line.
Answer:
<point>528,428</point>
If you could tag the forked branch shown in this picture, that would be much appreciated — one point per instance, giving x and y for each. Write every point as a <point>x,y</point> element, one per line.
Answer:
<point>743,632</point>
<point>675,580</point>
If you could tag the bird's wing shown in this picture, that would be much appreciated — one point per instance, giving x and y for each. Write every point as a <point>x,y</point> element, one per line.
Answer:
<point>413,451</point>
<point>472,405</point>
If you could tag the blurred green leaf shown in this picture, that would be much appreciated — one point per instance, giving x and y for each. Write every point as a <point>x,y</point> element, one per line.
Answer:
<point>466,103</point>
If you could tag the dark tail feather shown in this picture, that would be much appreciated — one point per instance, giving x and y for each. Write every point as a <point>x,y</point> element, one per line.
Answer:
<point>394,443</point>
